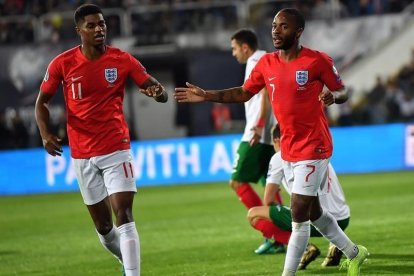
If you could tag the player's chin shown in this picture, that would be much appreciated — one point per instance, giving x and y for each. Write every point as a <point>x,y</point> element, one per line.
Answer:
<point>99,41</point>
<point>278,46</point>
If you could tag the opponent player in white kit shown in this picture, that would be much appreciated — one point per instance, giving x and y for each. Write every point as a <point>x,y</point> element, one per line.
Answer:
<point>331,197</point>
<point>255,149</point>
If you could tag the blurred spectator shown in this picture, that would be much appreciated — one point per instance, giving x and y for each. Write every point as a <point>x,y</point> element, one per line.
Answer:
<point>4,33</point>
<point>5,133</point>
<point>328,10</point>
<point>366,7</point>
<point>376,103</point>
<point>220,114</point>
<point>406,105</point>
<point>19,134</point>
<point>345,112</point>
<point>392,94</point>
<point>390,102</point>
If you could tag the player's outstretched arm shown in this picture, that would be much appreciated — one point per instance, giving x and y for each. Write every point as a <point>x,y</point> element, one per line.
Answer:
<point>152,88</point>
<point>51,142</point>
<point>193,94</point>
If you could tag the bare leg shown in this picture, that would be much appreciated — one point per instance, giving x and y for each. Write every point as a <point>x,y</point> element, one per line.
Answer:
<point>108,234</point>
<point>122,206</point>
<point>102,216</point>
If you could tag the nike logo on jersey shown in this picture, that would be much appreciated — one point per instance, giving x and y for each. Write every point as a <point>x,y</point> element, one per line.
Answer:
<point>75,79</point>
<point>270,79</point>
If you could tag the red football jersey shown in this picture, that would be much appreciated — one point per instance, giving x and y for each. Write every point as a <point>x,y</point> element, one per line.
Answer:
<point>294,87</point>
<point>94,92</point>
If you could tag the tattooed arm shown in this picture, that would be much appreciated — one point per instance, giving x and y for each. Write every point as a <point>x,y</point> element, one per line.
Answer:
<point>193,93</point>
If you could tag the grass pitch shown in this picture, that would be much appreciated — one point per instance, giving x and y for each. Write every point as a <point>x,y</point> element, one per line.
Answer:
<point>199,230</point>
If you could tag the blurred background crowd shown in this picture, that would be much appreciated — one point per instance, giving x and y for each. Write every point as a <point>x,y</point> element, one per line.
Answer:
<point>167,35</point>
<point>167,16</point>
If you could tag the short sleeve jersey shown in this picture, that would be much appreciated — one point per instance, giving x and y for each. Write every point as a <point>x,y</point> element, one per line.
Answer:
<point>331,196</point>
<point>94,92</point>
<point>294,87</point>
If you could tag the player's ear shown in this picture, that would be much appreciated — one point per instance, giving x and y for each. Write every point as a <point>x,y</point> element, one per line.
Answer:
<point>299,33</point>
<point>77,30</point>
<point>245,47</point>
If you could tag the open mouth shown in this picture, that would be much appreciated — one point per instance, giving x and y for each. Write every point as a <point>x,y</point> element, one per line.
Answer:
<point>277,40</point>
<point>100,37</point>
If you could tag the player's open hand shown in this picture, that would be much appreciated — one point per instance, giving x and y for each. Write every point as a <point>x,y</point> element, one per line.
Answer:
<point>189,94</point>
<point>52,145</point>
<point>327,97</point>
<point>154,91</point>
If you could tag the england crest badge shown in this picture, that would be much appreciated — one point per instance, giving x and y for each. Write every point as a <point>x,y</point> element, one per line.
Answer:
<point>302,77</point>
<point>111,74</point>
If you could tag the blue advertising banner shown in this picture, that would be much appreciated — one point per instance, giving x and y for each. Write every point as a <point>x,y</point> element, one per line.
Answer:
<point>205,159</point>
<point>365,149</point>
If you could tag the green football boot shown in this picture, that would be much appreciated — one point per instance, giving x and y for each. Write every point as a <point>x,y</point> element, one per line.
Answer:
<point>354,265</point>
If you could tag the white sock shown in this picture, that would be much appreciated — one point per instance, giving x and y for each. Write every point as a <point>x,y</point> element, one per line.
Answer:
<point>130,248</point>
<point>329,228</point>
<point>296,246</point>
<point>111,242</point>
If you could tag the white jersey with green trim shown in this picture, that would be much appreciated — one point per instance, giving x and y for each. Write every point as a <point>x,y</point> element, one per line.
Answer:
<point>331,196</point>
<point>253,107</point>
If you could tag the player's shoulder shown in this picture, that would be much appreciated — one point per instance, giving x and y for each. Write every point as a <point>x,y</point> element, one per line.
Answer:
<point>270,55</point>
<point>276,159</point>
<point>66,55</point>
<point>315,53</point>
<point>118,53</point>
<point>264,57</point>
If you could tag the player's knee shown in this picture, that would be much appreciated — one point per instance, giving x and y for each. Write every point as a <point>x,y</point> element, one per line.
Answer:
<point>300,213</point>
<point>123,216</point>
<point>301,207</point>
<point>251,216</point>
<point>103,228</point>
<point>235,185</point>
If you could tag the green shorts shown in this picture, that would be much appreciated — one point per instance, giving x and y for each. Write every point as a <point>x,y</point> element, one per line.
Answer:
<point>282,218</point>
<point>251,163</point>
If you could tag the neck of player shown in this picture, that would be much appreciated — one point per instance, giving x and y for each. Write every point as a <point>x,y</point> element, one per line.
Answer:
<point>93,52</point>
<point>292,53</point>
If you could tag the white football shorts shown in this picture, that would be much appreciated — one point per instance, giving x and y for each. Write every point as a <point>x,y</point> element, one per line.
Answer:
<point>101,176</point>
<point>306,177</point>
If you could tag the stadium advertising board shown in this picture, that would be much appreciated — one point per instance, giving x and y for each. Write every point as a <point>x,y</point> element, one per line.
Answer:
<point>409,145</point>
<point>205,159</point>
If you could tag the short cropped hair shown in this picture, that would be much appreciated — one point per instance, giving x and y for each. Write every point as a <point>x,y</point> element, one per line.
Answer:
<point>276,132</point>
<point>246,36</point>
<point>85,10</point>
<point>299,18</point>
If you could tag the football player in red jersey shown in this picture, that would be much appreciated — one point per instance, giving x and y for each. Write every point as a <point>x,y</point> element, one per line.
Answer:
<point>93,76</point>
<point>295,77</point>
